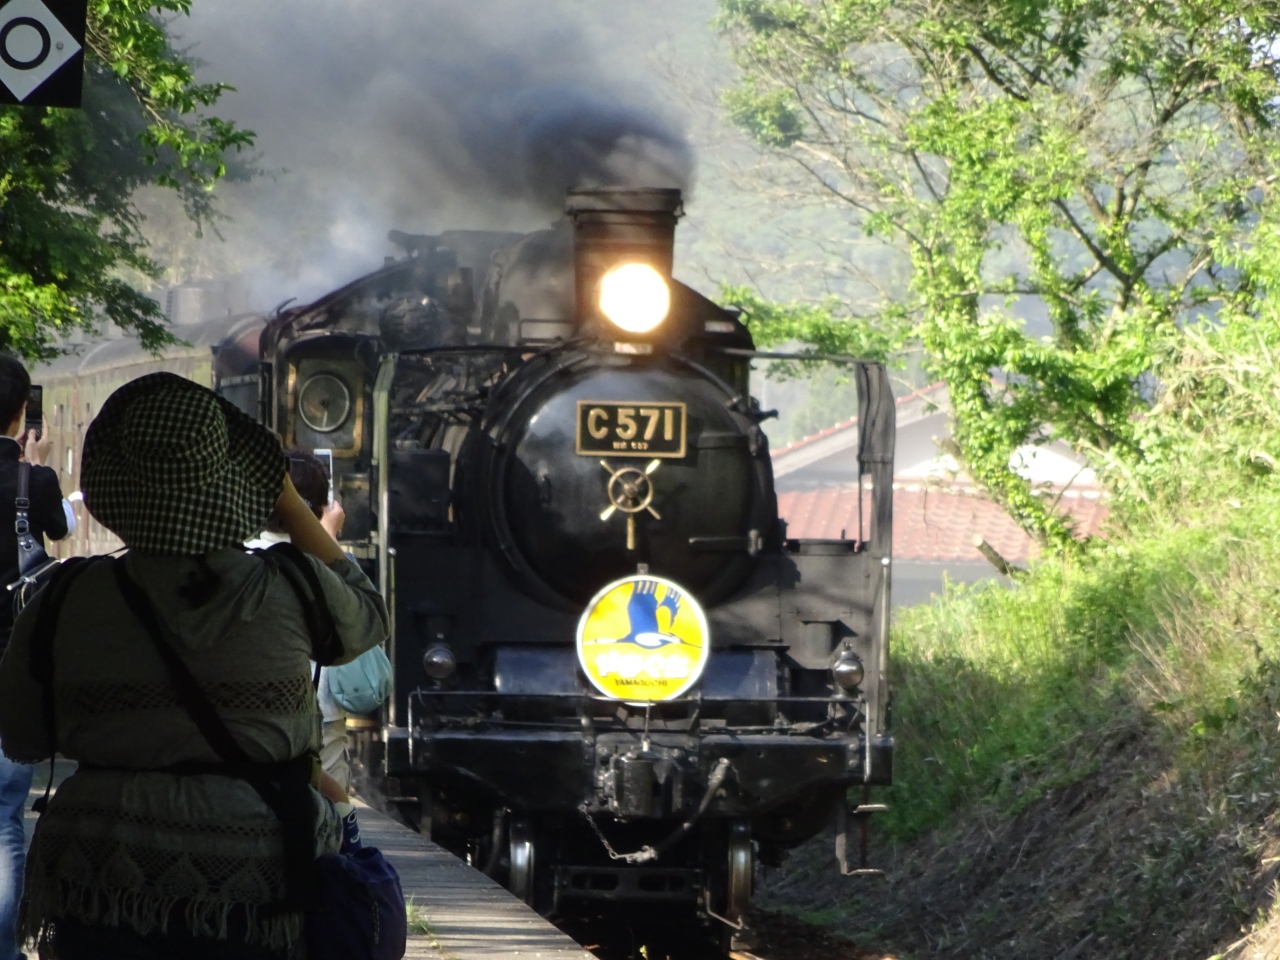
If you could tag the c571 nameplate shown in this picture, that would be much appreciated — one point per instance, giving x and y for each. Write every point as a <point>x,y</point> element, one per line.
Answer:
<point>640,429</point>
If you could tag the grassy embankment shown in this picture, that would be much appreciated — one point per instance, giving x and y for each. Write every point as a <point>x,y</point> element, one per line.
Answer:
<point>1088,764</point>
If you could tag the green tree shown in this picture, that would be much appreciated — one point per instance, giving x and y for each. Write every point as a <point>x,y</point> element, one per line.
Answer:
<point>822,326</point>
<point>1081,163</point>
<point>69,231</point>
<point>1214,431</point>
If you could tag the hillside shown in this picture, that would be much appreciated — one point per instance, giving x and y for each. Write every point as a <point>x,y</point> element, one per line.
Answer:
<point>1087,763</point>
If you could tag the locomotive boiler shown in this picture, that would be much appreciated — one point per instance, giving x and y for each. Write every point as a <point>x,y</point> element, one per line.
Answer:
<point>617,679</point>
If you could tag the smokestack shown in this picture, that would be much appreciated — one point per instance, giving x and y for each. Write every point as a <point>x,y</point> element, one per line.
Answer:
<point>616,226</point>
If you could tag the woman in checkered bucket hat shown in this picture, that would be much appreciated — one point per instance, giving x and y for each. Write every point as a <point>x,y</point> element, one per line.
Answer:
<point>157,845</point>
<point>172,468</point>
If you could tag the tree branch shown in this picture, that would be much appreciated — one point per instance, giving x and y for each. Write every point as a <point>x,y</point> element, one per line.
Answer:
<point>993,75</point>
<point>1099,254</point>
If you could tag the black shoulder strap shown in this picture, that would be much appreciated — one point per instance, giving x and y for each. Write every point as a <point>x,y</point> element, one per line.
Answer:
<point>31,555</point>
<point>23,497</point>
<point>40,653</point>
<point>326,646</point>
<point>190,697</point>
<point>21,507</point>
<point>284,788</point>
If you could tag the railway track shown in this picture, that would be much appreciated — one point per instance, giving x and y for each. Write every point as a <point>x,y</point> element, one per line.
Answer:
<point>777,937</point>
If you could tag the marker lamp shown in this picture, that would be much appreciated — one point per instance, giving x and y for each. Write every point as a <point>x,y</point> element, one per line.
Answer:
<point>848,671</point>
<point>439,662</point>
<point>635,297</point>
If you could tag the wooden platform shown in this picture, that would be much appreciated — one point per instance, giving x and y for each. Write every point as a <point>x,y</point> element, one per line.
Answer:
<point>469,916</point>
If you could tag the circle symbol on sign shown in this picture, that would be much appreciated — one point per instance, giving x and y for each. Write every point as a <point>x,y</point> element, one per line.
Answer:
<point>35,45</point>
<point>8,43</point>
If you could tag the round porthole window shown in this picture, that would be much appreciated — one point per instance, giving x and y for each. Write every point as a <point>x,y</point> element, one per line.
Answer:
<point>324,402</point>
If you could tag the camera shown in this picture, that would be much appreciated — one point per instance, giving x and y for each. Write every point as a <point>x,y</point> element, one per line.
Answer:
<point>35,409</point>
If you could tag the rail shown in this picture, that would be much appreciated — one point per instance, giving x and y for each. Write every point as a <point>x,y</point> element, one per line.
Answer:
<point>812,357</point>
<point>381,463</point>
<point>599,714</point>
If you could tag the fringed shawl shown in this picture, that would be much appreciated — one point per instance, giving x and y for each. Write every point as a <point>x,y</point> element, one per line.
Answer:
<point>127,844</point>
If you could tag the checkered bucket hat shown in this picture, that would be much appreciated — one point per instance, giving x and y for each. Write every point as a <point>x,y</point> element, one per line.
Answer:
<point>172,468</point>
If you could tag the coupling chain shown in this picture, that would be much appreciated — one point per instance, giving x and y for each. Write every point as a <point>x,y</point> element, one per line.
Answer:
<point>643,855</point>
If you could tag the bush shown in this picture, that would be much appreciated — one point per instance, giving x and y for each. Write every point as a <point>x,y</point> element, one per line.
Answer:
<point>1004,693</point>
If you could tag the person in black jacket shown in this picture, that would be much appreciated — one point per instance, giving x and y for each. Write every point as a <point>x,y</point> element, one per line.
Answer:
<point>46,517</point>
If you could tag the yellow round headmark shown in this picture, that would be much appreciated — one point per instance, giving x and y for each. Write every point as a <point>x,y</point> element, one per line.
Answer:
<point>643,638</point>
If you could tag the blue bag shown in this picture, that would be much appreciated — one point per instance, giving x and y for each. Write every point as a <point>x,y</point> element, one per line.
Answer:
<point>359,914</point>
<point>361,685</point>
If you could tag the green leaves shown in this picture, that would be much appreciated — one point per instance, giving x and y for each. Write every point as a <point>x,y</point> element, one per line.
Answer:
<point>1215,718</point>
<point>771,118</point>
<point>69,233</point>
<point>1068,178</point>
<point>819,326</point>
<point>187,148</point>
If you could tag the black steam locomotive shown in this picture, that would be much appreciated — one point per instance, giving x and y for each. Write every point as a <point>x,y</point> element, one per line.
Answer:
<point>616,677</point>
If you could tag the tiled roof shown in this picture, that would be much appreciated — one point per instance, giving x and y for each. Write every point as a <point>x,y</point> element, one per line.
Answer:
<point>931,523</point>
<point>924,393</point>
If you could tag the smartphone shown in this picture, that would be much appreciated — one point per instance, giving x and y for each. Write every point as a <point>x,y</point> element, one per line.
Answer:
<point>326,457</point>
<point>35,409</point>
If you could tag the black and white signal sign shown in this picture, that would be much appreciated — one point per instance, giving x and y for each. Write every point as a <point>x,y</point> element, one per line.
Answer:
<point>42,52</point>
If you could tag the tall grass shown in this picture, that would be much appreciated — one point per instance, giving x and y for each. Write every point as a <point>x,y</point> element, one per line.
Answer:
<point>1003,693</point>
<point>1134,689</point>
<point>1171,622</point>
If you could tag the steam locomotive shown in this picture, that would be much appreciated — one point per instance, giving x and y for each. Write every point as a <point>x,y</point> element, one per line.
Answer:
<point>617,680</point>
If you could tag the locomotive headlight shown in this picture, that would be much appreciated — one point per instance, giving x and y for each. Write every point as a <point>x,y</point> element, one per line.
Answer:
<point>635,297</point>
<point>848,671</point>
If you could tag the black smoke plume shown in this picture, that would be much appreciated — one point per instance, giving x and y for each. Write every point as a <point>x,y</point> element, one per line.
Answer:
<point>421,115</point>
<point>540,143</point>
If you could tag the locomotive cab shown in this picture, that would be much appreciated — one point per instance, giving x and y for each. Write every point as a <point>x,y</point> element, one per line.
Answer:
<point>617,680</point>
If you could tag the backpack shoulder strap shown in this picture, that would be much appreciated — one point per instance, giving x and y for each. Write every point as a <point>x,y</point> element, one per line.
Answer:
<point>40,659</point>
<point>326,646</point>
<point>22,507</point>
<point>190,696</point>
<point>23,495</point>
<point>284,788</point>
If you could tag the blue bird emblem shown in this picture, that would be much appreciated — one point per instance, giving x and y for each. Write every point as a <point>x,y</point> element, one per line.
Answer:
<point>642,612</point>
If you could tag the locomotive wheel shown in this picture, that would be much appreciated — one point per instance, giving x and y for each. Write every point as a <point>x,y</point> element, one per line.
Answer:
<point>523,857</point>
<point>741,867</point>
<point>739,878</point>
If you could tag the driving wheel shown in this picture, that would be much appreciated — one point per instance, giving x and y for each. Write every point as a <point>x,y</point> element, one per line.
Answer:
<point>741,869</point>
<point>523,859</point>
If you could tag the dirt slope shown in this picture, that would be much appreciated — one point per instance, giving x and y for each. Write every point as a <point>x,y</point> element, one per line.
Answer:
<point>1121,861</point>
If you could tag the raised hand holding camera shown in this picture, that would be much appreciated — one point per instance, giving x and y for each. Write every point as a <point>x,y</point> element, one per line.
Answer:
<point>37,446</point>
